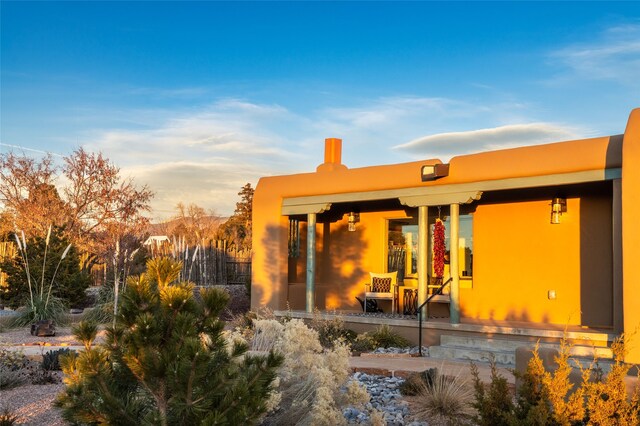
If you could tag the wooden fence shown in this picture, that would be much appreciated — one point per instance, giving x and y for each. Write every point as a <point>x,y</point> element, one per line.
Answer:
<point>208,263</point>
<point>205,264</point>
<point>8,250</point>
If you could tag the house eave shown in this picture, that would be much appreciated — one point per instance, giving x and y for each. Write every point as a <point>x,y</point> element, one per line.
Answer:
<point>434,195</point>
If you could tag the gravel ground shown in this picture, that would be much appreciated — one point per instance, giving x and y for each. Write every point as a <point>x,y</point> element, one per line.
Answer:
<point>32,404</point>
<point>20,336</point>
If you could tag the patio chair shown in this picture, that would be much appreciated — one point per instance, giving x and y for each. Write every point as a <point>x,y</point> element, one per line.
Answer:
<point>382,287</point>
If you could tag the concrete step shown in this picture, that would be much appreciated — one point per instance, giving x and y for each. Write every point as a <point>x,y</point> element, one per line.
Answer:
<point>503,358</point>
<point>490,344</point>
<point>479,349</point>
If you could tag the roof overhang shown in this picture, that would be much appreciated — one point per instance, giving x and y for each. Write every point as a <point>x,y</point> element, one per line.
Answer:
<point>438,195</point>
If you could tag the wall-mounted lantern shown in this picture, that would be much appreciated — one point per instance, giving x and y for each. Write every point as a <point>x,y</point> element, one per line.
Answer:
<point>558,206</point>
<point>352,219</point>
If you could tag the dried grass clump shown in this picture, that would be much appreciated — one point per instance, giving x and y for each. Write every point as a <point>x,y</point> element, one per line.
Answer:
<point>14,369</point>
<point>17,369</point>
<point>443,400</point>
<point>266,334</point>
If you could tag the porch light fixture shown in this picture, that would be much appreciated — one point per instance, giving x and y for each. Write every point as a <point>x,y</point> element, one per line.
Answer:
<point>434,171</point>
<point>352,219</point>
<point>558,206</point>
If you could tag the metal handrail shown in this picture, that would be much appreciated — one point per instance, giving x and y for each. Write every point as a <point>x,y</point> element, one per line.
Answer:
<point>438,292</point>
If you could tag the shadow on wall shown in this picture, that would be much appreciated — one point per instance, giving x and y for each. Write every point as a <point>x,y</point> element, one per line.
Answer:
<point>596,260</point>
<point>267,290</point>
<point>517,315</point>
<point>614,152</point>
<point>347,274</point>
<point>340,274</point>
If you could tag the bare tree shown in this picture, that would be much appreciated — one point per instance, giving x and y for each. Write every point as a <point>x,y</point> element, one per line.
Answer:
<point>27,192</point>
<point>99,198</point>
<point>97,206</point>
<point>195,223</point>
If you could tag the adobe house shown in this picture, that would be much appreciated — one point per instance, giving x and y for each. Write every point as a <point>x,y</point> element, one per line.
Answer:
<point>542,238</point>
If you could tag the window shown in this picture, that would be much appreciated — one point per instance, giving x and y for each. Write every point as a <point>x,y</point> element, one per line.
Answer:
<point>465,245</point>
<point>402,238</point>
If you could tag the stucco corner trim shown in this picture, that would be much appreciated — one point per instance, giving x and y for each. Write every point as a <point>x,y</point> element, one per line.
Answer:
<point>441,199</point>
<point>289,208</point>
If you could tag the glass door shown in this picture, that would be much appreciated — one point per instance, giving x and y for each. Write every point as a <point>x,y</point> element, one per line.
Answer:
<point>402,240</point>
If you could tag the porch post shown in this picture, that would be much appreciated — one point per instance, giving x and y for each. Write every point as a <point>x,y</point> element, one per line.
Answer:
<point>454,305</point>
<point>311,262</point>
<point>423,241</point>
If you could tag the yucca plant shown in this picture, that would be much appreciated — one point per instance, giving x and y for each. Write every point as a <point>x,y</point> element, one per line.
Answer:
<point>385,337</point>
<point>37,282</point>
<point>8,418</point>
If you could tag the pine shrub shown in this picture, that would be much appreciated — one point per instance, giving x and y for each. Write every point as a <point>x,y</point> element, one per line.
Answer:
<point>165,362</point>
<point>363,343</point>
<point>493,403</point>
<point>607,401</point>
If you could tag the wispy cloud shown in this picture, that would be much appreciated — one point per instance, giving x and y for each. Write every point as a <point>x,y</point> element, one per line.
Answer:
<point>20,148</point>
<point>225,128</point>
<point>206,155</point>
<point>446,145</point>
<point>203,156</point>
<point>614,55</point>
<point>211,184</point>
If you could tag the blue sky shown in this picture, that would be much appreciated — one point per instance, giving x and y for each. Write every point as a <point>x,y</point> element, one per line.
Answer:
<point>196,99</point>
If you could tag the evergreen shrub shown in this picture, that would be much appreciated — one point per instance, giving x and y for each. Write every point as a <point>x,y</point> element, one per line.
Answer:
<point>166,361</point>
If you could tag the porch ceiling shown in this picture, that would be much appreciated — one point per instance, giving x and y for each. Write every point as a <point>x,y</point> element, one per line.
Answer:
<point>434,195</point>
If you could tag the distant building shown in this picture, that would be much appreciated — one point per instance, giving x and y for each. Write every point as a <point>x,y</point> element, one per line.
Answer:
<point>157,240</point>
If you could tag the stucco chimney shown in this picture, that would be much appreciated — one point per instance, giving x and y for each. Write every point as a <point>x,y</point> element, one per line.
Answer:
<point>332,155</point>
<point>333,150</point>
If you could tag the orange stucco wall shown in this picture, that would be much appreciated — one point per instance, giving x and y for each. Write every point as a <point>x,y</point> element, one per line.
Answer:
<point>538,160</point>
<point>631,233</point>
<point>519,257</point>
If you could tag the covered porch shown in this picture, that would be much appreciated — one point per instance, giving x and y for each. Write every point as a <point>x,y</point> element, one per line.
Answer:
<point>582,271</point>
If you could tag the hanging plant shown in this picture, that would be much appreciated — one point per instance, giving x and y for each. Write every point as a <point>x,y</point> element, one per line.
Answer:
<point>438,248</point>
